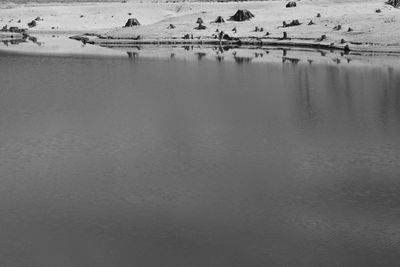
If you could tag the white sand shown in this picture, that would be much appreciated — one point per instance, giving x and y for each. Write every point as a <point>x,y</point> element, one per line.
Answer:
<point>374,31</point>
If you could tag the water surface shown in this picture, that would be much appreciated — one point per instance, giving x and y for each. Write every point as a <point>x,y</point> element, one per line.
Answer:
<point>113,162</point>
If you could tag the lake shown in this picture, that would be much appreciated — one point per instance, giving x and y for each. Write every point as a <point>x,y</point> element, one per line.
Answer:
<point>160,162</point>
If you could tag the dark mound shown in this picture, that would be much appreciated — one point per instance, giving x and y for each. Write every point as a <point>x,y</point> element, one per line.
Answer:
<point>395,3</point>
<point>219,19</point>
<point>132,22</point>
<point>242,15</point>
<point>291,4</point>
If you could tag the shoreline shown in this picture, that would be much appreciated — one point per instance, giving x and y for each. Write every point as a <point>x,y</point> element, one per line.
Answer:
<point>63,46</point>
<point>362,30</point>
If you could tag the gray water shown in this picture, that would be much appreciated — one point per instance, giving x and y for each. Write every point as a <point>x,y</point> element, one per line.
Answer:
<point>111,162</point>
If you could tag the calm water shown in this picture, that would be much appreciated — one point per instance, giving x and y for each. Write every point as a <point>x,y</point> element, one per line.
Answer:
<point>111,162</point>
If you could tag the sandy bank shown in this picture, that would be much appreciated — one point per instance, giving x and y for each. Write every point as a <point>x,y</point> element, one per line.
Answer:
<point>370,31</point>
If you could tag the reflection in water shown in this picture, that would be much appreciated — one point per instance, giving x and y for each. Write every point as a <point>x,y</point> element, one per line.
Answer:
<point>17,41</point>
<point>111,162</point>
<point>241,60</point>
<point>13,41</point>
<point>132,55</point>
<point>200,55</point>
<point>220,58</point>
<point>291,60</point>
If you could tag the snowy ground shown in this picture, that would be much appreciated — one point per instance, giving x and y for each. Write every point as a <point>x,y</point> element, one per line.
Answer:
<point>371,30</point>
